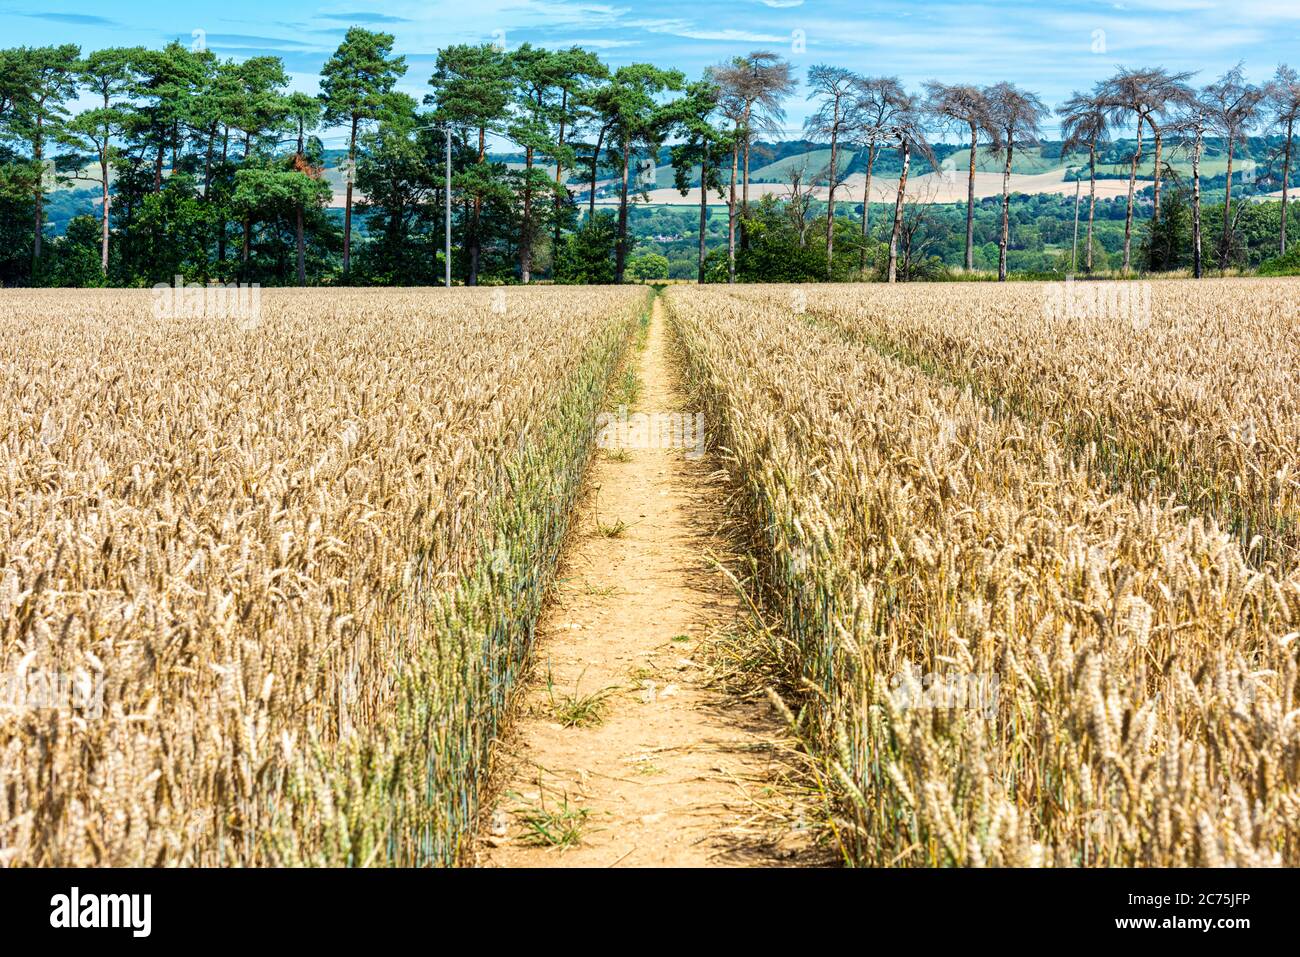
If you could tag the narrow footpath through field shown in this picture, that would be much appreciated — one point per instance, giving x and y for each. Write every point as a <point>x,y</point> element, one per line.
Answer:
<point>619,754</point>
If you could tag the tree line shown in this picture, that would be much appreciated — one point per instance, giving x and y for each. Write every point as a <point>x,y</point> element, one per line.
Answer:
<point>213,169</point>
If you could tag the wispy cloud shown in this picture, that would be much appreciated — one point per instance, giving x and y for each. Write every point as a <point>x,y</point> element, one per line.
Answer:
<point>688,30</point>
<point>80,19</point>
<point>363,17</point>
<point>596,44</point>
<point>248,41</point>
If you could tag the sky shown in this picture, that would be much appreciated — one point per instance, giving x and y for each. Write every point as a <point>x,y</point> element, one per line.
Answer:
<point>1049,47</point>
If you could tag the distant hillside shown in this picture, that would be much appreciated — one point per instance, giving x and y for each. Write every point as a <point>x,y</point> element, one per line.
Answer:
<point>1038,171</point>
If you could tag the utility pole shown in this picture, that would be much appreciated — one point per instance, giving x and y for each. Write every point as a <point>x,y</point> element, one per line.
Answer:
<point>446,256</point>
<point>446,200</point>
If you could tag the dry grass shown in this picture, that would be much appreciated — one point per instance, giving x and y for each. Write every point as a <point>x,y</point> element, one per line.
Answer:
<point>1145,670</point>
<point>303,556</point>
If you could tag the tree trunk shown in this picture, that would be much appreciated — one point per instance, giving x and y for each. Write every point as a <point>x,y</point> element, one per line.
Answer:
<point>38,156</point>
<point>866,208</point>
<point>559,169</point>
<point>347,202</point>
<point>1092,198</point>
<point>595,164</point>
<point>157,170</point>
<point>731,214</point>
<point>830,201</point>
<point>620,247</point>
<point>1225,242</point>
<point>1074,251</point>
<point>103,183</point>
<point>207,160</point>
<point>302,258</point>
<point>1155,187</point>
<point>1005,239</point>
<point>704,209</point>
<point>525,242</point>
<point>1128,213</point>
<point>1197,266</point>
<point>898,213</point>
<point>1286,176</point>
<point>221,226</point>
<point>970,200</point>
<point>476,239</point>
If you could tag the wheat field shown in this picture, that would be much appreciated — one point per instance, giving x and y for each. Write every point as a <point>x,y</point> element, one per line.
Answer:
<point>1027,558</point>
<point>1030,619</point>
<point>298,555</point>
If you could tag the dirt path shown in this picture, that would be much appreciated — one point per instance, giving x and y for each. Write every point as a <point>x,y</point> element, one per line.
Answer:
<point>619,755</point>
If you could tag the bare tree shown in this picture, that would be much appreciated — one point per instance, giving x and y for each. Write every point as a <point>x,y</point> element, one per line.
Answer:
<point>1167,92</point>
<point>836,117</point>
<point>1141,96</point>
<point>799,203</point>
<point>753,88</point>
<point>732,108</point>
<point>878,102</point>
<point>757,85</point>
<point>916,237</point>
<point>1084,126</point>
<point>1282,99</point>
<point>1016,115</point>
<point>1190,127</point>
<point>1233,106</point>
<point>907,135</point>
<point>964,106</point>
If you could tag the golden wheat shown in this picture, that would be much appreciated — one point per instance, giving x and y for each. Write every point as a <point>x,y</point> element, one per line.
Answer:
<point>302,552</point>
<point>1186,389</point>
<point>1137,675</point>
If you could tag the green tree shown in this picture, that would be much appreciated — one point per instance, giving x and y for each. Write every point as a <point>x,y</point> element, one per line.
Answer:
<point>399,174</point>
<point>170,84</point>
<point>472,89</point>
<point>277,190</point>
<point>648,266</point>
<point>258,109</point>
<point>49,79</point>
<point>355,85</point>
<point>586,255</point>
<point>109,76</point>
<point>304,113</point>
<point>703,145</point>
<point>1167,240</point>
<point>637,120</point>
<point>575,72</point>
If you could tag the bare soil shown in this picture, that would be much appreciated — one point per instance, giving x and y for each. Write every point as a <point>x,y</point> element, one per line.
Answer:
<point>655,767</point>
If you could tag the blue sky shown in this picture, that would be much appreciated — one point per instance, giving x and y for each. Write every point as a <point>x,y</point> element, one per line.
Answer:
<point>1052,48</point>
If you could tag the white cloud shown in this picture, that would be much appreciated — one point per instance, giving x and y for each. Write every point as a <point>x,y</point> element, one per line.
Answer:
<point>688,30</point>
